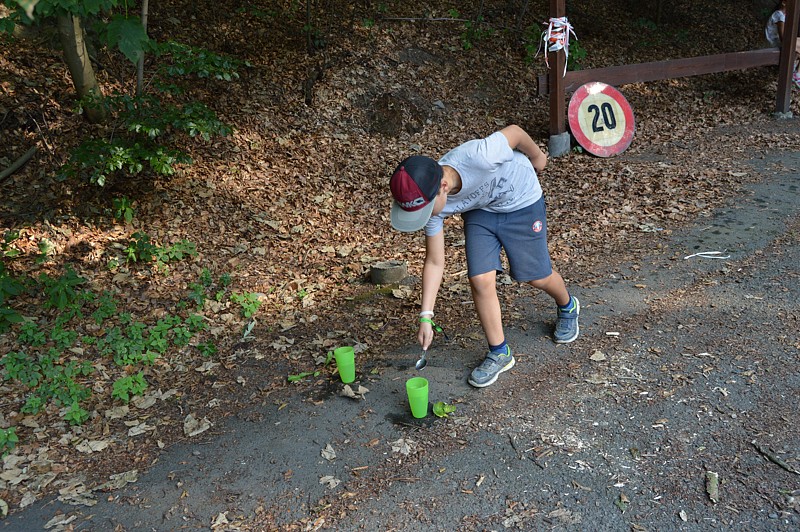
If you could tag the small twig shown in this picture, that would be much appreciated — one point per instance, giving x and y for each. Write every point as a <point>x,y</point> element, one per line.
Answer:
<point>774,459</point>
<point>512,438</point>
<point>16,165</point>
<point>41,134</point>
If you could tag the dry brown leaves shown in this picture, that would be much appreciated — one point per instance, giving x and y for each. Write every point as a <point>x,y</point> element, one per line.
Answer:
<point>294,205</point>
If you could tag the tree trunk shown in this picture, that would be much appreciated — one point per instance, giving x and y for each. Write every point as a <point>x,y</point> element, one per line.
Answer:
<point>140,66</point>
<point>70,30</point>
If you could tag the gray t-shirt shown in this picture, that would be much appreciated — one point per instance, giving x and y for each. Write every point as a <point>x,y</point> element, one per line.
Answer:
<point>494,178</point>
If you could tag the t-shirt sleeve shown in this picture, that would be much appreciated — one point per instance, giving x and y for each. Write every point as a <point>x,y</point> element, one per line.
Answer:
<point>493,151</point>
<point>434,226</point>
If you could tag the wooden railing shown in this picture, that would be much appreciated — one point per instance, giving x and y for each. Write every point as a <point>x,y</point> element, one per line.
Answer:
<point>675,68</point>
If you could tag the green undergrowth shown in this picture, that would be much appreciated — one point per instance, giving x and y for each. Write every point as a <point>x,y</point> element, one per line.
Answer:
<point>70,347</point>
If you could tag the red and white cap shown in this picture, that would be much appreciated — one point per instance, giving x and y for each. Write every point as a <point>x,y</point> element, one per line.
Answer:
<point>415,183</point>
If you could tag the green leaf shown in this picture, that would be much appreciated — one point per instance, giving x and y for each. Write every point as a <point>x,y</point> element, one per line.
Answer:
<point>301,376</point>
<point>129,35</point>
<point>441,409</point>
<point>622,502</point>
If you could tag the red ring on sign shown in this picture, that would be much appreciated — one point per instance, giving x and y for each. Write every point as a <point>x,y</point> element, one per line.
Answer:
<point>576,126</point>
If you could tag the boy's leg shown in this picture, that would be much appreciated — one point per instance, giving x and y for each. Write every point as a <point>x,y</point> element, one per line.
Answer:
<point>569,307</point>
<point>499,358</point>
<point>524,237</point>
<point>483,261</point>
<point>553,285</point>
<point>484,294</point>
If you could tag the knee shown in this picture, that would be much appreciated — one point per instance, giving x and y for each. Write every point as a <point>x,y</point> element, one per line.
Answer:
<point>482,284</point>
<point>543,284</point>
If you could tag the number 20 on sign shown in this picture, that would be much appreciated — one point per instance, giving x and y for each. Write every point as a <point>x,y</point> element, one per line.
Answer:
<point>601,119</point>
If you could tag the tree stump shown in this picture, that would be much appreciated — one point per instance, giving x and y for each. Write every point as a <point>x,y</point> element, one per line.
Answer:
<point>388,272</point>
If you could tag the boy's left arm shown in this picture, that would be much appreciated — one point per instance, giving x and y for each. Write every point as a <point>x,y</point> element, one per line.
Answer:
<point>519,140</point>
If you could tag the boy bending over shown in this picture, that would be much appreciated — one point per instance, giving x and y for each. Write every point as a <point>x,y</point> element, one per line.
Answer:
<point>492,183</point>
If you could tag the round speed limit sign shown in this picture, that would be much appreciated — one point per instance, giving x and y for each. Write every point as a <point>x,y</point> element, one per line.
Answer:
<point>601,119</point>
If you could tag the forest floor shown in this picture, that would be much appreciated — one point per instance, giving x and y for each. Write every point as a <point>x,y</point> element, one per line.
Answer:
<point>685,366</point>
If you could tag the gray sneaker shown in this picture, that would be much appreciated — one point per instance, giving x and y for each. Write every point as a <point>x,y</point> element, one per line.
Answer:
<point>567,324</point>
<point>493,365</point>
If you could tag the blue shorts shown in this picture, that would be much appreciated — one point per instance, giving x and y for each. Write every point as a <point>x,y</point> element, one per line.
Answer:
<point>522,234</point>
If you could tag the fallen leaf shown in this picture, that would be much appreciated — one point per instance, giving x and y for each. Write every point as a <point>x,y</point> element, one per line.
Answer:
<point>330,481</point>
<point>220,520</point>
<point>403,292</point>
<point>14,476</point>
<point>622,502</point>
<point>441,409</point>
<point>142,402</point>
<point>60,521</point>
<point>712,486</point>
<point>598,356</point>
<point>403,446</point>
<point>119,480</point>
<point>95,446</point>
<point>358,393</point>
<point>141,428</point>
<point>328,453</point>
<point>193,426</point>
<point>206,367</point>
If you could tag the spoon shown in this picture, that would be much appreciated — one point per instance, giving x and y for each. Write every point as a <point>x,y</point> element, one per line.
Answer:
<point>422,362</point>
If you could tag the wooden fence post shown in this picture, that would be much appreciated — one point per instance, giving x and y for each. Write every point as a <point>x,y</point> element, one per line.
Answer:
<point>782,106</point>
<point>559,142</point>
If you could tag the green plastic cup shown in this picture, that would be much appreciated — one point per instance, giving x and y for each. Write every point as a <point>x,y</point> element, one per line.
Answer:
<point>346,362</point>
<point>417,389</point>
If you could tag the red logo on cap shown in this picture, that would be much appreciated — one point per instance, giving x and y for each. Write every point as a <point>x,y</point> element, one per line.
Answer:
<point>406,192</point>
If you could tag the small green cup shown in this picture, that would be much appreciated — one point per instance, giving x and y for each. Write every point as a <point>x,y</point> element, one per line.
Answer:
<point>346,362</point>
<point>417,389</point>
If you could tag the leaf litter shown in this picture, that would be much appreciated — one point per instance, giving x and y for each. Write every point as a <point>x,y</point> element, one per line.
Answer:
<point>320,244</point>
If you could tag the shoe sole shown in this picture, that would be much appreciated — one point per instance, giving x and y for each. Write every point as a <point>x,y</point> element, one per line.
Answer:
<point>577,327</point>
<point>487,383</point>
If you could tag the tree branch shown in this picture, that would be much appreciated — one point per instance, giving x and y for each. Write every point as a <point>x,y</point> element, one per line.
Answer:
<point>16,165</point>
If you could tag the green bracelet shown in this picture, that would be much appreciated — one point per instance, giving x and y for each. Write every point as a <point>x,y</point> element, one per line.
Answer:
<point>435,327</point>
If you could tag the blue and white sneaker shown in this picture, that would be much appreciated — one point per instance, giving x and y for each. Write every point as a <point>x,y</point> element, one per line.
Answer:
<point>567,329</point>
<point>493,365</point>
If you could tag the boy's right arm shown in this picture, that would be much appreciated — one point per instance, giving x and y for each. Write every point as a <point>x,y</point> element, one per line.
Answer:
<point>519,140</point>
<point>432,272</point>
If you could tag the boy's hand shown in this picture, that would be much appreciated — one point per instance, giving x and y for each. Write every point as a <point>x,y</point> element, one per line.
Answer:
<point>425,335</point>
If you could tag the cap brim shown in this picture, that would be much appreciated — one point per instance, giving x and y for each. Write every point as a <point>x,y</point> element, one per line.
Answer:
<point>410,221</point>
